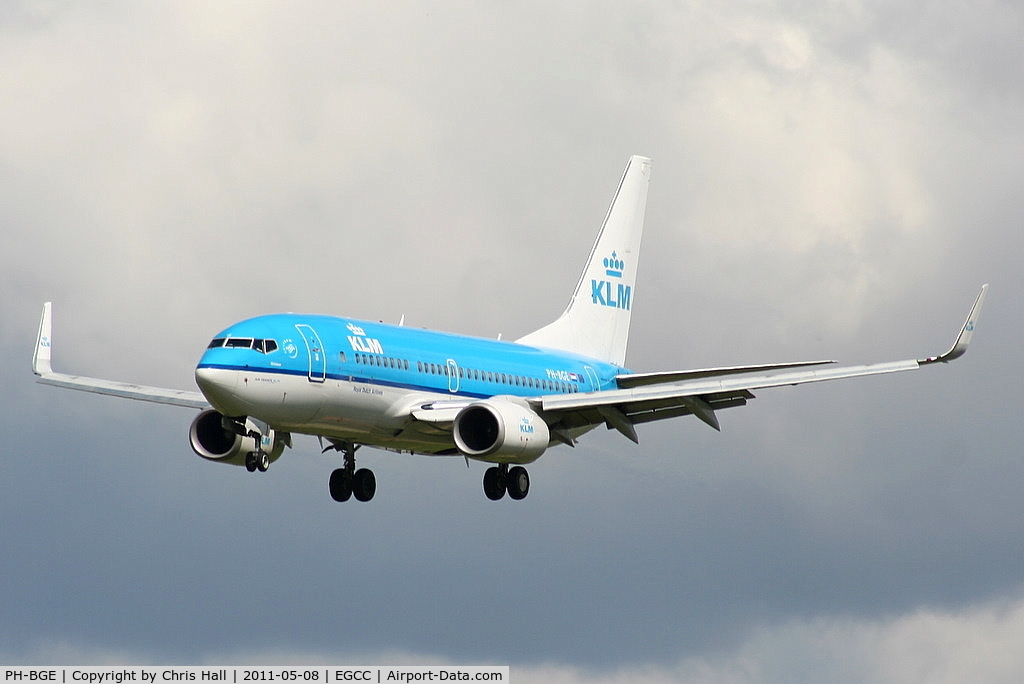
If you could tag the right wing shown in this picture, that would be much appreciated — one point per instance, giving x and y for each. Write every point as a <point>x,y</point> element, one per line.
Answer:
<point>656,396</point>
<point>630,380</point>
<point>42,367</point>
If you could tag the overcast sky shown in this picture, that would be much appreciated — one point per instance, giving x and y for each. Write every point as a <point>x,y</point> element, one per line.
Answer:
<point>830,180</point>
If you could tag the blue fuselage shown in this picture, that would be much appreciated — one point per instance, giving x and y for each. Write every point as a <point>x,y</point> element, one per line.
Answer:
<point>357,380</point>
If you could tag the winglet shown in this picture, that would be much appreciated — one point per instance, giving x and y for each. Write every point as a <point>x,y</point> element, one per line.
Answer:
<point>41,364</point>
<point>959,347</point>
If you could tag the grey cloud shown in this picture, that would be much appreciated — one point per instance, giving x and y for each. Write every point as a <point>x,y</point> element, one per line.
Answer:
<point>826,184</point>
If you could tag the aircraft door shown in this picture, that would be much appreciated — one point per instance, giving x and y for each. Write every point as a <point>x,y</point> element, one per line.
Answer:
<point>315,348</point>
<point>453,376</point>
<point>595,384</point>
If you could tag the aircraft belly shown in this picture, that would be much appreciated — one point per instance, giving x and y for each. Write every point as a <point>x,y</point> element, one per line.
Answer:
<point>371,414</point>
<point>359,403</point>
<point>283,399</point>
<point>352,405</point>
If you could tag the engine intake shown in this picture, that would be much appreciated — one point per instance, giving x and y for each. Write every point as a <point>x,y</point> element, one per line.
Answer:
<point>212,439</point>
<point>501,431</point>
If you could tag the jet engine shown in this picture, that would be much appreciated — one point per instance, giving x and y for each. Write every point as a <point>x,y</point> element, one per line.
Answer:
<point>217,438</point>
<point>501,431</point>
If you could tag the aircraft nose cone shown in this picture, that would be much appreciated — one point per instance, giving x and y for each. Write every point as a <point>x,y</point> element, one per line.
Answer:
<point>218,385</point>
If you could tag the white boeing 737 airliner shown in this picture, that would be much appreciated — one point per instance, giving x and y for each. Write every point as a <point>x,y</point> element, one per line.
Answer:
<point>355,383</point>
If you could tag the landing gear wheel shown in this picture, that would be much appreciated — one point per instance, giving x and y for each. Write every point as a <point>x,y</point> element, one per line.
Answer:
<point>364,484</point>
<point>262,461</point>
<point>250,462</point>
<point>518,483</point>
<point>346,481</point>
<point>494,483</point>
<point>340,485</point>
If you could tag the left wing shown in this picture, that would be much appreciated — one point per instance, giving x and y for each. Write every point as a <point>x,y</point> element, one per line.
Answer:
<point>701,393</point>
<point>42,367</point>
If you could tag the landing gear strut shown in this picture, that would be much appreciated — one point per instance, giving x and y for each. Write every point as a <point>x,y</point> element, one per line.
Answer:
<point>500,479</point>
<point>254,460</point>
<point>346,481</point>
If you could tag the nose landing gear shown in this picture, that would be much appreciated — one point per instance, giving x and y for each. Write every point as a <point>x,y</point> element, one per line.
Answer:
<point>257,460</point>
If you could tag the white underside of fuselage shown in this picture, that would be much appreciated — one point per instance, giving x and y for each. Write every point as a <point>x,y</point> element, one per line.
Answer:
<point>343,410</point>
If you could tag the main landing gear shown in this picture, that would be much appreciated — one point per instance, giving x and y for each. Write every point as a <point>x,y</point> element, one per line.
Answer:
<point>500,479</point>
<point>346,481</point>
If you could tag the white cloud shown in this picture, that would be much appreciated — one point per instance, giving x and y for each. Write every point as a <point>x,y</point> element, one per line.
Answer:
<point>977,643</point>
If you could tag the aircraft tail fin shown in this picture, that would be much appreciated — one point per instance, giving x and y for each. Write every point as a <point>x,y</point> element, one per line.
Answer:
<point>596,321</point>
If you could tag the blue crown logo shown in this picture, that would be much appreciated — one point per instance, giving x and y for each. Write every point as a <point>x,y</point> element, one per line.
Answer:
<point>613,265</point>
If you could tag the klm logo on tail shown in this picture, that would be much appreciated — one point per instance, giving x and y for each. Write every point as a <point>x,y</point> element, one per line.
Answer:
<point>607,293</point>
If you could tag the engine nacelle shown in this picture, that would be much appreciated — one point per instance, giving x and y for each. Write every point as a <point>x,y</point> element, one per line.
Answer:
<point>501,431</point>
<point>212,440</point>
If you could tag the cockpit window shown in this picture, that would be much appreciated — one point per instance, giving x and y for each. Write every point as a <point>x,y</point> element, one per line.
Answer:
<point>262,346</point>
<point>265,346</point>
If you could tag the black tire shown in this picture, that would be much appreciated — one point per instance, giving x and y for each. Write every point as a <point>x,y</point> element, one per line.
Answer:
<point>340,485</point>
<point>250,462</point>
<point>364,484</point>
<point>518,483</point>
<point>263,462</point>
<point>494,483</point>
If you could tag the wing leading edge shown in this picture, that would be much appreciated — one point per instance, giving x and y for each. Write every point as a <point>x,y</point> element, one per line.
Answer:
<point>43,368</point>
<point>656,396</point>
